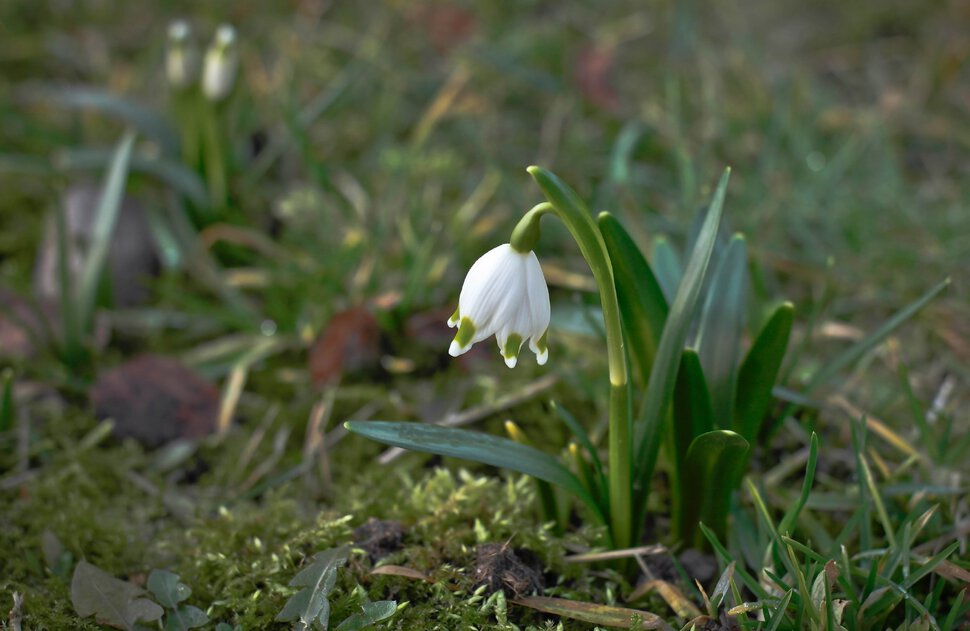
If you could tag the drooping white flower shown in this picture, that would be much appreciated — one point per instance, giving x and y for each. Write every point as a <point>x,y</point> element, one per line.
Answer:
<point>181,56</point>
<point>505,295</point>
<point>221,65</point>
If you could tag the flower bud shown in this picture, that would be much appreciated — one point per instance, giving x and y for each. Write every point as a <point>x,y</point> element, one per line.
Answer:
<point>181,56</point>
<point>221,65</point>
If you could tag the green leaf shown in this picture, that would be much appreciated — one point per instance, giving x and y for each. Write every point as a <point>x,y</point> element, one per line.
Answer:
<point>105,219</point>
<point>169,591</point>
<point>372,612</point>
<point>643,306</point>
<point>477,447</point>
<point>310,606</point>
<point>663,374</point>
<point>759,371</point>
<point>185,617</point>
<point>128,111</point>
<point>714,461</point>
<point>718,340</point>
<point>666,265</point>
<point>111,601</point>
<point>692,407</point>
<point>872,340</point>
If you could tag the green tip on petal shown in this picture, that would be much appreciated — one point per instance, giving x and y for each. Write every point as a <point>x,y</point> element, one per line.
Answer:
<point>540,348</point>
<point>463,339</point>
<point>453,320</point>
<point>511,350</point>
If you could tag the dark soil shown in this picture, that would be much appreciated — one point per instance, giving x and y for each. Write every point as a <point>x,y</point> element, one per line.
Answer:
<point>379,538</point>
<point>499,566</point>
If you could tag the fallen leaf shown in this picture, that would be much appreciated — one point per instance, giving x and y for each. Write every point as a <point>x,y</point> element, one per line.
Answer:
<point>111,601</point>
<point>350,342</point>
<point>592,75</point>
<point>617,617</point>
<point>402,571</point>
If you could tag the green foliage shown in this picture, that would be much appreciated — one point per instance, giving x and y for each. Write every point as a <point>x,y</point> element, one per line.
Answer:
<point>169,591</point>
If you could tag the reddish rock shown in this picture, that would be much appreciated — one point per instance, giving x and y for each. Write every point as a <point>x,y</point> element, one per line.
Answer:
<point>155,400</point>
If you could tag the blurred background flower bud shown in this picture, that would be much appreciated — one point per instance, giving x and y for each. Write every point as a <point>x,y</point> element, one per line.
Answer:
<point>221,64</point>
<point>181,56</point>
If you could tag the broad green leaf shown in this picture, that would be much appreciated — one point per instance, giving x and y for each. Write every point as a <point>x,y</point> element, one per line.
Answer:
<point>310,606</point>
<point>872,340</point>
<point>106,216</point>
<point>642,303</point>
<point>666,265</point>
<point>371,612</point>
<point>604,615</point>
<point>692,416</point>
<point>477,447</point>
<point>759,371</point>
<point>111,601</point>
<point>714,462</point>
<point>142,118</point>
<point>167,588</point>
<point>718,340</point>
<point>663,374</point>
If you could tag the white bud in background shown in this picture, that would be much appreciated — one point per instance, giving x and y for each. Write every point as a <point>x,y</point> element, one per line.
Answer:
<point>221,65</point>
<point>181,56</point>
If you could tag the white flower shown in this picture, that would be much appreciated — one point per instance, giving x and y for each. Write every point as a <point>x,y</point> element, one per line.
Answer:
<point>181,56</point>
<point>504,294</point>
<point>221,65</point>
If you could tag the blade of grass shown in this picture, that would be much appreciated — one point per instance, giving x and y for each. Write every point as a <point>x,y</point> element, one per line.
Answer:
<point>866,344</point>
<point>791,516</point>
<point>106,216</point>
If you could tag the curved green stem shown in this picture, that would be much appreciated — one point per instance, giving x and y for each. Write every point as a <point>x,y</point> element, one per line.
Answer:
<point>570,209</point>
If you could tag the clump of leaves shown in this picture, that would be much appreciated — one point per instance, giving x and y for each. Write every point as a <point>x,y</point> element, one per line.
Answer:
<point>171,593</point>
<point>309,608</point>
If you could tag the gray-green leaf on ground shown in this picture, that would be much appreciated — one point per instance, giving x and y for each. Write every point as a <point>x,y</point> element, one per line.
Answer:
<point>309,607</point>
<point>111,601</point>
<point>369,614</point>
<point>170,591</point>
